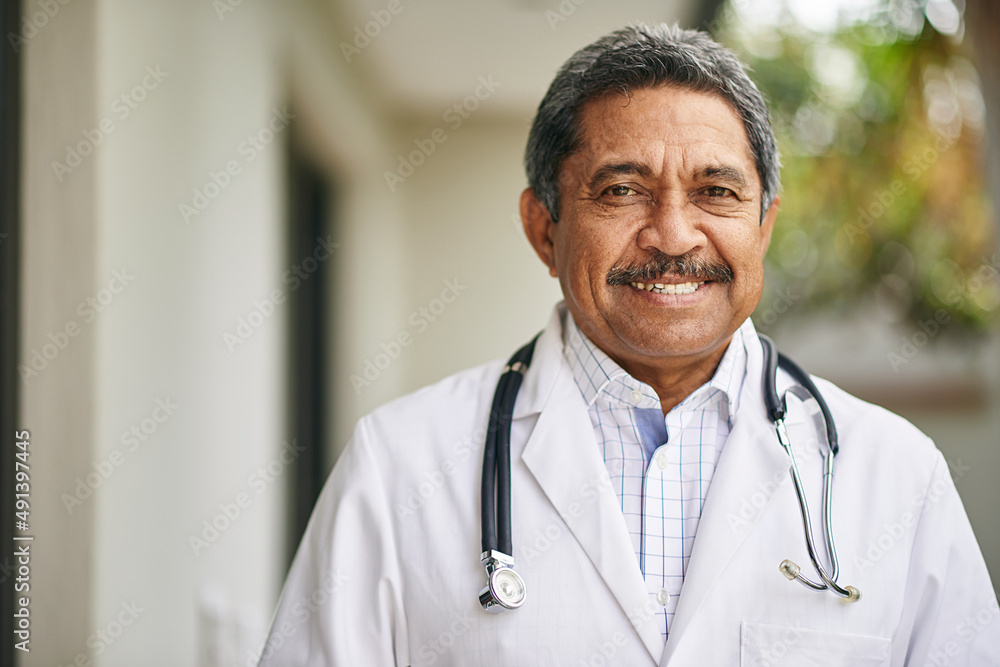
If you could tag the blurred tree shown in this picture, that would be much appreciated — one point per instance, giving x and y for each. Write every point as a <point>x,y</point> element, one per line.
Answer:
<point>880,121</point>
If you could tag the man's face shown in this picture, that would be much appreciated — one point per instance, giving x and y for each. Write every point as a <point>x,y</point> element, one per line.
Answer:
<point>663,191</point>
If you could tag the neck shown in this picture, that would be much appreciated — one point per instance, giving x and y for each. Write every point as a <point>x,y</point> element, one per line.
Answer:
<point>675,379</point>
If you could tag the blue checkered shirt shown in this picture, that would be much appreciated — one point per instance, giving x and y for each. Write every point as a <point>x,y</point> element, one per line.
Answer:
<point>661,467</point>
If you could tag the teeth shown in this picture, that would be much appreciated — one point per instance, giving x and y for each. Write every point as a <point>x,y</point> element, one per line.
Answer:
<point>662,288</point>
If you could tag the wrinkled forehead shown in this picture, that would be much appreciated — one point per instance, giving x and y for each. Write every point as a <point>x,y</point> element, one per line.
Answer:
<point>643,124</point>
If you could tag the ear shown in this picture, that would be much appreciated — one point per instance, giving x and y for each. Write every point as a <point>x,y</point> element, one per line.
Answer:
<point>767,225</point>
<point>539,229</point>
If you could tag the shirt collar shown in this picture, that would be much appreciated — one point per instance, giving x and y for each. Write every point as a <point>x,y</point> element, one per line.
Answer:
<point>600,378</point>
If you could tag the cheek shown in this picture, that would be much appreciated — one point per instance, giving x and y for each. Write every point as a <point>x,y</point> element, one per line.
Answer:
<point>747,264</point>
<point>584,255</point>
<point>744,249</point>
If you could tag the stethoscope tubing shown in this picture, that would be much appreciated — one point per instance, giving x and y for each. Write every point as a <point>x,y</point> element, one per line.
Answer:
<point>496,509</point>
<point>776,410</point>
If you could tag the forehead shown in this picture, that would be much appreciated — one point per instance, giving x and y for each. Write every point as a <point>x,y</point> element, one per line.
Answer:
<point>652,125</point>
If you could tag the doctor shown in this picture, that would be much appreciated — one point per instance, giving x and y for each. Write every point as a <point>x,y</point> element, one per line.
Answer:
<point>651,501</point>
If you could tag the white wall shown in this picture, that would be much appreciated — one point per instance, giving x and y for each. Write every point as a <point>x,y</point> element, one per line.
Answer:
<point>161,337</point>
<point>464,231</point>
<point>59,271</point>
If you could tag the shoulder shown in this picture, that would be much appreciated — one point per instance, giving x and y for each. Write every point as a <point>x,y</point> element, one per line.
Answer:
<point>462,388</point>
<point>883,433</point>
<point>452,409</point>
<point>858,412</point>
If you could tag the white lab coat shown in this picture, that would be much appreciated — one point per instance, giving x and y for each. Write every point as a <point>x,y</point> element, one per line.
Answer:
<point>388,572</point>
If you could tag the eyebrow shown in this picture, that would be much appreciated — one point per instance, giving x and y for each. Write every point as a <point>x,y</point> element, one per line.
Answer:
<point>725,172</point>
<point>617,169</point>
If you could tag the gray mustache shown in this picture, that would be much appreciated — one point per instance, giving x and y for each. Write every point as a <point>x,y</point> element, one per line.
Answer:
<point>661,264</point>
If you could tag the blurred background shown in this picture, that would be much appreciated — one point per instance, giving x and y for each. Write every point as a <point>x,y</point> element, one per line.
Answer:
<point>232,227</point>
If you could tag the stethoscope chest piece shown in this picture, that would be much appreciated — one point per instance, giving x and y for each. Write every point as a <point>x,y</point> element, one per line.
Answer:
<point>505,589</point>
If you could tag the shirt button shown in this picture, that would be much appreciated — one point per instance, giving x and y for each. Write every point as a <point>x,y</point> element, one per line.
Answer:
<point>663,597</point>
<point>636,396</point>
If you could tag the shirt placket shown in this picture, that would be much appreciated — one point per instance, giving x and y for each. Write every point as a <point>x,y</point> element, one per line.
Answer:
<point>672,498</point>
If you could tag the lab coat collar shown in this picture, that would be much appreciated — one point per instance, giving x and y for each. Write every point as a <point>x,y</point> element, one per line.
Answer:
<point>545,367</point>
<point>750,459</point>
<point>752,469</point>
<point>581,492</point>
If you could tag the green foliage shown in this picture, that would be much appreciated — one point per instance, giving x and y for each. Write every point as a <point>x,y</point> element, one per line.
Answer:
<point>883,200</point>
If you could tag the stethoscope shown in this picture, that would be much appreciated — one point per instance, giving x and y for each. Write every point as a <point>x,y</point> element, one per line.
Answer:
<point>505,588</point>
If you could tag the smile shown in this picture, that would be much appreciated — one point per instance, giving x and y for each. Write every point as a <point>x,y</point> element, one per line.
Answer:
<point>666,288</point>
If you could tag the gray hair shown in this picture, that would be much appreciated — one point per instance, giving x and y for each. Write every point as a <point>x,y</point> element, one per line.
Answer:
<point>634,58</point>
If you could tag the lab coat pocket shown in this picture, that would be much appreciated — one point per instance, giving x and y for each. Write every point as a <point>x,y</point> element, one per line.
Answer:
<point>795,646</point>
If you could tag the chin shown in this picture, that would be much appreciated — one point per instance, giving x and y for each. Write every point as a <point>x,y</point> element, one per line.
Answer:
<point>673,340</point>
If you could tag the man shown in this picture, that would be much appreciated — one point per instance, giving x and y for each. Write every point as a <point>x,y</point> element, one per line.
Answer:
<point>651,500</point>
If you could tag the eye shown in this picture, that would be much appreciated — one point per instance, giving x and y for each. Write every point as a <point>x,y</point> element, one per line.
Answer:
<point>621,191</point>
<point>717,191</point>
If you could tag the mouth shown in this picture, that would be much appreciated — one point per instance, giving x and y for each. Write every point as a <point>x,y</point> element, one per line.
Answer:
<point>668,288</point>
<point>668,274</point>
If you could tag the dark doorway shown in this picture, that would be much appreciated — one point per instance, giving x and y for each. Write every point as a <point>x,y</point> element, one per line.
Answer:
<point>311,241</point>
<point>10,321</point>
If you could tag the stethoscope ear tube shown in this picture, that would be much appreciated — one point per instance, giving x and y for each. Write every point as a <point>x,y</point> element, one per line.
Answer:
<point>775,406</point>
<point>776,413</point>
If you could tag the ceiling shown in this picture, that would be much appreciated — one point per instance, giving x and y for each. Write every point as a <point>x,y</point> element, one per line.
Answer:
<point>429,54</point>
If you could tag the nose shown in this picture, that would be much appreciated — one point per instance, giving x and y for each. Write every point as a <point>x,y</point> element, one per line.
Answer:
<point>672,227</point>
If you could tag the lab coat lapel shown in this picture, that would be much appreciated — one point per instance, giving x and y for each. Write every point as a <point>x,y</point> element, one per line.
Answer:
<point>751,469</point>
<point>562,455</point>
